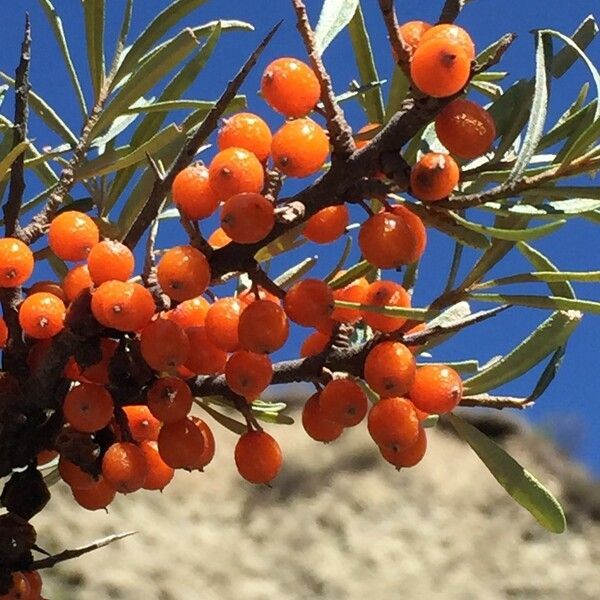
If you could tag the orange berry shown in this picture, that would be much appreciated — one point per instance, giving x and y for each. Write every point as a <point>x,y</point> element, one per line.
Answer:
<point>42,315</point>
<point>253,294</point>
<point>434,177</point>
<point>19,589</point>
<point>110,259</point>
<point>247,131</point>
<point>205,358</point>
<point>190,313</point>
<point>208,453</point>
<point>143,425</point>
<point>96,497</point>
<point>183,272</point>
<point>353,292</point>
<point>98,372</point>
<point>390,369</point>
<point>218,238</point>
<point>221,325</point>
<point>164,345</point>
<point>417,230</point>
<point>450,33</point>
<point>290,87</point>
<point>386,241</point>
<point>365,129</point>
<point>16,262</point>
<point>309,302</point>
<point>263,327</point>
<point>235,171</point>
<point>248,374</point>
<point>327,225</point>
<point>124,467</point>
<point>406,457</point>
<point>35,584</point>
<point>50,287</point>
<point>343,401</point>
<point>3,333</point>
<point>314,344</point>
<point>316,425</point>
<point>75,281</point>
<point>440,68</point>
<point>88,407</point>
<point>123,305</point>
<point>72,234</point>
<point>247,218</point>
<point>385,293</point>
<point>73,475</point>
<point>393,423</point>
<point>180,444</point>
<point>159,474</point>
<point>412,32</point>
<point>436,389</point>
<point>300,148</point>
<point>258,457</point>
<point>192,193</point>
<point>465,128</point>
<point>169,399</point>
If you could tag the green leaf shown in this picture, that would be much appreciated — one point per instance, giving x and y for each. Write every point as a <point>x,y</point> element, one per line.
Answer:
<point>94,32</point>
<point>169,105</point>
<point>539,106</point>
<point>9,159</point>
<point>276,418</point>
<point>491,90</point>
<point>578,145</point>
<point>164,21</point>
<point>548,374</point>
<point>46,113</point>
<point>290,240</point>
<point>544,277</point>
<point>296,272</point>
<point>415,314</point>
<point>582,38</point>
<point>397,94</point>
<point>56,24</point>
<point>363,54</point>
<point>513,235</point>
<point>518,482</point>
<point>564,128</point>
<point>551,302</point>
<point>335,15</point>
<point>227,422</point>
<point>352,274</point>
<point>542,262</point>
<point>3,89</point>
<point>341,261</point>
<point>544,340</point>
<point>551,210</point>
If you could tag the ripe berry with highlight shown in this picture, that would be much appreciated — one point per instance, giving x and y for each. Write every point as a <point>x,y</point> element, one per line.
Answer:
<point>390,369</point>
<point>143,425</point>
<point>222,324</point>
<point>247,131</point>
<point>42,315</point>
<point>72,235</point>
<point>290,87</point>
<point>343,401</point>
<point>247,218</point>
<point>355,291</point>
<point>450,33</point>
<point>300,148</point>
<point>123,305</point>
<point>316,425</point>
<point>248,374</point>
<point>263,327</point>
<point>158,473</point>
<point>412,33</point>
<point>208,453</point>
<point>16,262</point>
<point>76,281</point>
<point>436,389</point>
<point>235,171</point>
<point>385,293</point>
<point>124,467</point>
<point>434,177</point>
<point>180,444</point>
<point>164,345</point>
<point>169,399</point>
<point>465,128</point>
<point>192,193</point>
<point>258,457</point>
<point>327,225</point>
<point>309,302</point>
<point>190,313</point>
<point>183,272</point>
<point>110,259</point>
<point>393,423</point>
<point>88,407</point>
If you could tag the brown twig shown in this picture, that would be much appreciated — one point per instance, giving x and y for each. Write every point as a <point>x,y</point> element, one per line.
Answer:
<point>186,156</point>
<point>51,561</point>
<point>451,10</point>
<point>262,280</point>
<point>340,133</point>
<point>497,402</point>
<point>401,49</point>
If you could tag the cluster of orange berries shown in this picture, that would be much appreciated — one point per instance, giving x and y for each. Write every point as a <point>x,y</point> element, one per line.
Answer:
<point>26,585</point>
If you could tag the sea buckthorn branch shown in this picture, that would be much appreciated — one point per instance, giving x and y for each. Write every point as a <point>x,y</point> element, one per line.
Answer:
<point>451,10</point>
<point>497,402</point>
<point>340,133</point>
<point>17,178</point>
<point>163,184</point>
<point>401,49</point>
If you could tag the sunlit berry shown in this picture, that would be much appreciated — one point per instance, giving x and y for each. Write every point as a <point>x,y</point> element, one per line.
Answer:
<point>316,425</point>
<point>436,389</point>
<point>164,345</point>
<point>247,218</point>
<point>72,234</point>
<point>309,302</point>
<point>235,171</point>
<point>76,281</point>
<point>192,193</point>
<point>248,374</point>
<point>183,272</point>
<point>406,457</point>
<point>258,457</point>
<point>247,131</point>
<point>42,315</point>
<point>343,401</point>
<point>123,305</point>
<point>88,407</point>
<point>393,423</point>
<point>180,444</point>
<point>110,259</point>
<point>385,294</point>
<point>434,177</point>
<point>124,467</point>
<point>390,369</point>
<point>327,225</point>
<point>204,358</point>
<point>169,399</point>
<point>263,327</point>
<point>16,262</point>
<point>222,323</point>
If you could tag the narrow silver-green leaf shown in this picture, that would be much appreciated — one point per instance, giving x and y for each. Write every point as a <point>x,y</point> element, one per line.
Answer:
<point>539,106</point>
<point>227,422</point>
<point>577,121</point>
<point>517,481</point>
<point>93,11</point>
<point>548,374</point>
<point>335,15</point>
<point>544,340</point>
<point>582,38</point>
<point>541,262</point>
<point>397,94</point>
<point>290,240</point>
<point>341,260</point>
<point>415,314</point>
<point>3,90</point>
<point>296,272</point>
<point>46,113</point>
<point>363,54</point>
<point>56,23</point>
<point>169,105</point>
<point>550,302</point>
<point>352,274</point>
<point>9,159</point>
<point>543,277</point>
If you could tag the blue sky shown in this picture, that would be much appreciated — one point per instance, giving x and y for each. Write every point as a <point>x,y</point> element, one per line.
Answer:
<point>570,407</point>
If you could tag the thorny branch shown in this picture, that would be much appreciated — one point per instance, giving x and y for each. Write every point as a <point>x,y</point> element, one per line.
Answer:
<point>451,10</point>
<point>399,46</point>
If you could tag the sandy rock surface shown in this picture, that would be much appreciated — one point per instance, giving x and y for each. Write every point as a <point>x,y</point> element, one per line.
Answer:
<point>339,523</point>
